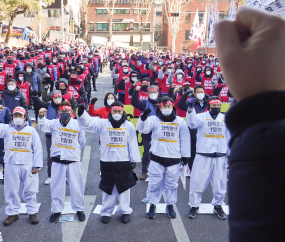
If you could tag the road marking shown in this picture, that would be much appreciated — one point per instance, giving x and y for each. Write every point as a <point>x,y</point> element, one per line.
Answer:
<point>85,164</point>
<point>178,226</point>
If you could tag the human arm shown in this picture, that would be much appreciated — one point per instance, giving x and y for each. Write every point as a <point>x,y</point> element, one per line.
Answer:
<point>145,126</point>
<point>184,138</point>
<point>133,147</point>
<point>192,119</point>
<point>92,125</point>
<point>37,150</point>
<point>8,116</point>
<point>136,102</point>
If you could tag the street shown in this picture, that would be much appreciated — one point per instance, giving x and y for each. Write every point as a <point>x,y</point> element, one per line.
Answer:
<point>205,228</point>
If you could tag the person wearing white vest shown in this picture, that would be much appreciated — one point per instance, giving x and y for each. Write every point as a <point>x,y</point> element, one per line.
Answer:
<point>170,142</point>
<point>23,159</point>
<point>210,164</point>
<point>67,141</point>
<point>119,155</point>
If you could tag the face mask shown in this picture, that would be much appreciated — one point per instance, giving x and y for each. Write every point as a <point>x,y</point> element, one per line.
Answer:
<point>82,66</point>
<point>169,70</point>
<point>144,88</point>
<point>10,62</point>
<point>166,111</point>
<point>134,79</point>
<point>178,62</point>
<point>21,78</point>
<point>208,73</point>
<point>153,96</point>
<point>72,67</point>
<point>199,69</point>
<point>179,77</point>
<point>1,69</point>
<point>18,121</point>
<point>215,111</point>
<point>125,70</point>
<point>40,64</point>
<point>124,64</point>
<point>29,70</point>
<point>183,58</point>
<point>48,49</point>
<point>11,87</point>
<point>217,63</point>
<point>54,60</point>
<point>40,50</point>
<point>211,58</point>
<point>200,96</point>
<point>117,116</point>
<point>110,101</point>
<point>65,116</point>
<point>57,100</point>
<point>203,62</point>
<point>91,56</point>
<point>84,62</point>
<point>160,62</point>
<point>73,79</point>
<point>48,62</point>
<point>155,62</point>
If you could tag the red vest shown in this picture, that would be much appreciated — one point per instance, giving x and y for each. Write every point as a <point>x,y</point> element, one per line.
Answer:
<point>23,63</point>
<point>224,94</point>
<point>163,84</point>
<point>68,96</point>
<point>142,96</point>
<point>3,78</point>
<point>179,112</point>
<point>73,91</point>
<point>61,64</point>
<point>25,89</point>
<point>206,83</point>
<point>88,67</point>
<point>48,54</point>
<point>10,69</point>
<point>121,75</point>
<point>215,69</point>
<point>81,78</point>
<point>50,67</point>
<point>178,84</point>
<point>193,82</point>
<point>128,97</point>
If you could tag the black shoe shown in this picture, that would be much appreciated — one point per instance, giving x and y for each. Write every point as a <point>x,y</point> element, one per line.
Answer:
<point>105,219</point>
<point>193,212</point>
<point>53,218</point>
<point>151,213</point>
<point>95,90</point>
<point>220,212</point>
<point>81,216</point>
<point>170,211</point>
<point>125,218</point>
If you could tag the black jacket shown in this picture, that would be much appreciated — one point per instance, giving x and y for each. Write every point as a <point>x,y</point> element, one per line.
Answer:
<point>256,171</point>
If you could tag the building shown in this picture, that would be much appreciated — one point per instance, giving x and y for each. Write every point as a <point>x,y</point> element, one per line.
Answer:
<point>125,26</point>
<point>52,21</point>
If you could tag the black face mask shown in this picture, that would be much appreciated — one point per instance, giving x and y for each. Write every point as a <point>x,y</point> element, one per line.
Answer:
<point>1,56</point>
<point>32,55</point>
<point>28,49</point>
<point>48,62</point>
<point>1,69</point>
<point>214,112</point>
<point>7,52</point>
<point>10,62</point>
<point>151,58</point>
<point>40,64</point>
<point>144,88</point>
<point>186,88</point>
<point>21,58</point>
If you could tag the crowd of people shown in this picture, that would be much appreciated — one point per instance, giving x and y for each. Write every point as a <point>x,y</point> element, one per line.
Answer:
<point>177,99</point>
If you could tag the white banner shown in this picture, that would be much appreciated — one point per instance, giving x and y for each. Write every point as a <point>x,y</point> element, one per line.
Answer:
<point>215,20</point>
<point>232,12</point>
<point>211,18</point>
<point>276,8</point>
<point>194,33</point>
<point>203,28</point>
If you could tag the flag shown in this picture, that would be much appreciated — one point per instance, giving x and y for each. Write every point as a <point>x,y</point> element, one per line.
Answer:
<point>232,13</point>
<point>203,29</point>
<point>276,8</point>
<point>257,3</point>
<point>210,23</point>
<point>215,20</point>
<point>195,28</point>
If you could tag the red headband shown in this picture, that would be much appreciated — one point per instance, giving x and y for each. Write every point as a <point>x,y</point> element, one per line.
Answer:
<point>117,107</point>
<point>9,56</point>
<point>167,102</point>
<point>57,95</point>
<point>19,110</point>
<point>214,101</point>
<point>186,83</point>
<point>152,89</point>
<point>145,81</point>
<point>65,107</point>
<point>21,75</point>
<point>61,83</point>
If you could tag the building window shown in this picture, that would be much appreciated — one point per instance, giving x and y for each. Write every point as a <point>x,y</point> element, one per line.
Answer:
<point>49,13</point>
<point>158,13</point>
<point>201,15</point>
<point>187,32</point>
<point>188,17</point>
<point>28,14</point>
<point>56,13</point>
<point>101,11</point>
<point>102,27</point>
<point>91,26</point>
<point>122,11</point>
<point>136,11</point>
<point>137,27</point>
<point>222,15</point>
<point>120,27</point>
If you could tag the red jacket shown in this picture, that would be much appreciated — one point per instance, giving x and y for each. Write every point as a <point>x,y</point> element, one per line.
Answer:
<point>102,112</point>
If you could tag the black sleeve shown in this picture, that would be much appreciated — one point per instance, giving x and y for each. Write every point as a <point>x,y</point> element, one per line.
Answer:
<point>30,96</point>
<point>8,116</point>
<point>170,92</point>
<point>121,85</point>
<point>136,102</point>
<point>182,102</point>
<point>82,94</point>
<point>38,103</point>
<point>198,77</point>
<point>87,85</point>
<point>217,90</point>
<point>189,72</point>
<point>131,90</point>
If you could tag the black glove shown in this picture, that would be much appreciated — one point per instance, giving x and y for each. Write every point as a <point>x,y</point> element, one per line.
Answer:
<point>60,69</point>
<point>184,161</point>
<point>133,165</point>
<point>39,94</point>
<point>34,93</point>
<point>94,100</point>
<point>191,102</point>
<point>17,68</point>
<point>81,108</point>
<point>146,112</point>
<point>30,107</point>
<point>190,91</point>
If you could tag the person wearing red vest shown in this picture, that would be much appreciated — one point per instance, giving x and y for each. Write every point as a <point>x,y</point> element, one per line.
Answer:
<point>124,84</point>
<point>48,52</point>
<point>164,75</point>
<point>22,60</point>
<point>178,78</point>
<point>57,66</point>
<point>10,67</point>
<point>206,79</point>
<point>25,87</point>
<point>76,88</point>
<point>52,71</point>
<point>62,66</point>
<point>103,111</point>
<point>196,76</point>
<point>216,66</point>
<point>3,77</point>
<point>83,78</point>
<point>220,87</point>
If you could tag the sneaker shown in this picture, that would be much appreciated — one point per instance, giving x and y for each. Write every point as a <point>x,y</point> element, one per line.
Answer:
<point>170,211</point>
<point>151,213</point>
<point>220,212</point>
<point>10,219</point>
<point>54,217</point>
<point>34,218</point>
<point>81,216</point>
<point>105,219</point>
<point>193,212</point>
<point>143,176</point>
<point>47,182</point>
<point>125,218</point>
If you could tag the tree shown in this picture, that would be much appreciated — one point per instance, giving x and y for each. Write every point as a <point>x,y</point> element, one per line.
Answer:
<point>109,6</point>
<point>83,18</point>
<point>10,9</point>
<point>174,6</point>
<point>143,8</point>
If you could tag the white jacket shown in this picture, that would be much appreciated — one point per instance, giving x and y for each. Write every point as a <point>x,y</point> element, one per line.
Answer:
<point>129,150</point>
<point>73,138</point>
<point>22,147</point>
<point>211,134</point>
<point>174,143</point>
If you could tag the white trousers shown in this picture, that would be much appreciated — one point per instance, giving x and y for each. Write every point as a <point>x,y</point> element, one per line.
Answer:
<point>162,179</point>
<point>73,173</point>
<point>17,182</point>
<point>205,170</point>
<point>109,202</point>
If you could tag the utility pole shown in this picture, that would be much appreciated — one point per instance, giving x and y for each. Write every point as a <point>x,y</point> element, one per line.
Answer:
<point>62,20</point>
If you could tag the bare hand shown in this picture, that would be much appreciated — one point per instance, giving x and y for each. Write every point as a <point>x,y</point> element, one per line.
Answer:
<point>35,170</point>
<point>173,85</point>
<point>42,112</point>
<point>136,82</point>
<point>1,107</point>
<point>138,88</point>
<point>250,46</point>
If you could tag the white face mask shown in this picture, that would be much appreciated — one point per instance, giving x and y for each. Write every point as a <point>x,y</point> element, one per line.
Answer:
<point>203,62</point>
<point>166,111</point>
<point>84,62</point>
<point>11,87</point>
<point>57,100</point>
<point>160,63</point>
<point>117,116</point>
<point>208,73</point>
<point>200,96</point>
<point>54,60</point>
<point>179,77</point>
<point>139,62</point>
<point>125,70</point>
<point>29,70</point>
<point>153,96</point>
<point>21,78</point>
<point>134,79</point>
<point>217,63</point>
<point>124,64</point>
<point>18,121</point>
<point>110,101</point>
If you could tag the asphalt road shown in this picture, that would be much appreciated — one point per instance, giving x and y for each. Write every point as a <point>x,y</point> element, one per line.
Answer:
<point>205,228</point>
